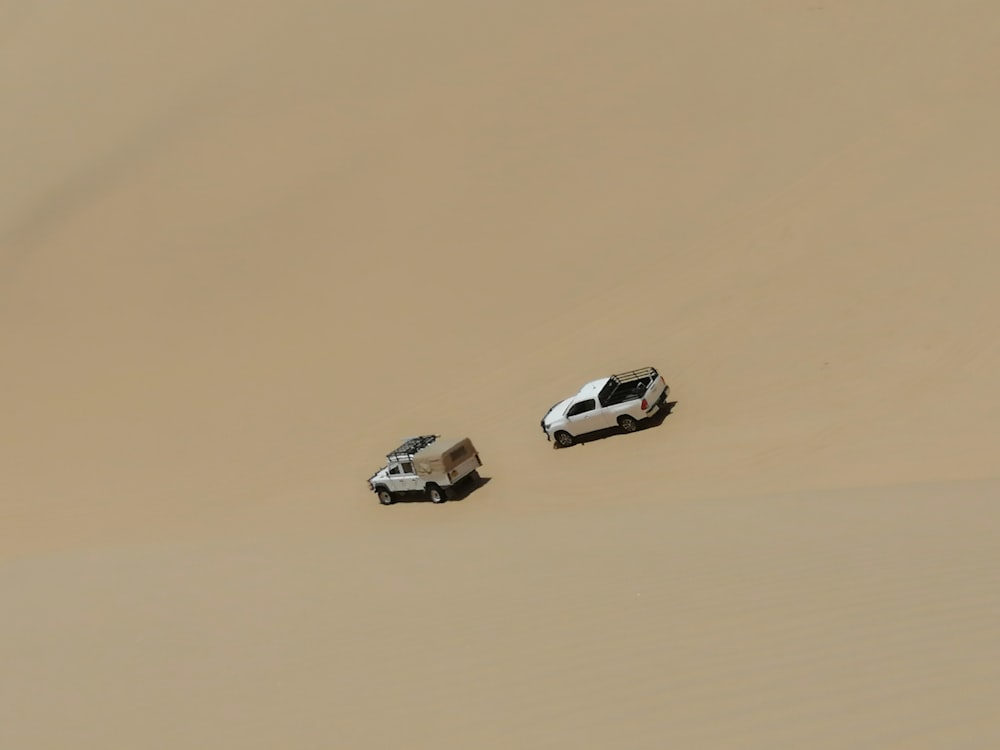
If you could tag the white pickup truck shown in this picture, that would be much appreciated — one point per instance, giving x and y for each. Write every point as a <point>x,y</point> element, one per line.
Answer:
<point>622,400</point>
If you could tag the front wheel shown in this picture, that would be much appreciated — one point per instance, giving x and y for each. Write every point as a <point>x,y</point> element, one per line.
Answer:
<point>627,423</point>
<point>385,497</point>
<point>564,439</point>
<point>436,494</point>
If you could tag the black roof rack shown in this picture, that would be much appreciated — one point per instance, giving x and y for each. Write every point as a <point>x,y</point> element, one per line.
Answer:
<point>642,372</point>
<point>621,386</point>
<point>411,446</point>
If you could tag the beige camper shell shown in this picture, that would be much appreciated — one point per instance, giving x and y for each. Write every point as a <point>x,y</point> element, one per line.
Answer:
<point>446,457</point>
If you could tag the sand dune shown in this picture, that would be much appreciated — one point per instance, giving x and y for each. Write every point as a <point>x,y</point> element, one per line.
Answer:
<point>244,249</point>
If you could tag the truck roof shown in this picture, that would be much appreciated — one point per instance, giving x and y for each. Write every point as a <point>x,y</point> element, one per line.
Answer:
<point>592,388</point>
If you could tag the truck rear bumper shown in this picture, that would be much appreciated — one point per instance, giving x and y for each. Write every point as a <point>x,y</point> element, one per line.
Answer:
<point>463,470</point>
<point>660,402</point>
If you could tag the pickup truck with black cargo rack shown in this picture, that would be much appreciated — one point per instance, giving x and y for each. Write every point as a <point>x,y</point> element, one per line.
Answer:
<point>622,400</point>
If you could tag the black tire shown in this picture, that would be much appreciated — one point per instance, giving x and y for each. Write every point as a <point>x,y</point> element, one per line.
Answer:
<point>627,423</point>
<point>384,496</point>
<point>564,439</point>
<point>474,477</point>
<point>435,494</point>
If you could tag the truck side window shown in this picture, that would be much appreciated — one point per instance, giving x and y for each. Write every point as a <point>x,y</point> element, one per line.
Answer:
<point>394,469</point>
<point>407,467</point>
<point>580,407</point>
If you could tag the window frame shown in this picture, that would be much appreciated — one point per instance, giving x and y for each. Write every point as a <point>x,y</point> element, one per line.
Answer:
<point>577,413</point>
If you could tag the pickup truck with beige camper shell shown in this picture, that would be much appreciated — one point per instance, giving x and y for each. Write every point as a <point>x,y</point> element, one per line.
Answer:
<point>427,466</point>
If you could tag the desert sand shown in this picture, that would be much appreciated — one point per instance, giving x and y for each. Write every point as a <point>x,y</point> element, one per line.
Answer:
<point>245,248</point>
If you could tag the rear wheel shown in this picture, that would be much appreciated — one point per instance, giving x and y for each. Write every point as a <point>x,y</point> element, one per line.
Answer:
<point>627,423</point>
<point>474,476</point>
<point>384,496</point>
<point>436,494</point>
<point>564,439</point>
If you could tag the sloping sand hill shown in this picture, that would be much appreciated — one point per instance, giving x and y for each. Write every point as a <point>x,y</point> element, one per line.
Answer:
<point>245,248</point>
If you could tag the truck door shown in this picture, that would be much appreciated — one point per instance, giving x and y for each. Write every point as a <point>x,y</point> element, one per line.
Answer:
<point>584,416</point>
<point>409,478</point>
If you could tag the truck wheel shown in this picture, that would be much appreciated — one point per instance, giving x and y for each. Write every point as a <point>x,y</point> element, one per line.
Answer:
<point>436,494</point>
<point>474,477</point>
<point>564,439</point>
<point>384,496</point>
<point>627,423</point>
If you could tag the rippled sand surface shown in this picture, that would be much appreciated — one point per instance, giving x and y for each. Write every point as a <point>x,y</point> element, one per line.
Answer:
<point>246,248</point>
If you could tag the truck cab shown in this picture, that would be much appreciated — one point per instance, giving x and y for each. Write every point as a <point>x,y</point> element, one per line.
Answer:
<point>401,473</point>
<point>586,413</point>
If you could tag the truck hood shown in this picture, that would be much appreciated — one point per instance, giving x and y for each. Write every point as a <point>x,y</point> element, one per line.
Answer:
<point>556,411</point>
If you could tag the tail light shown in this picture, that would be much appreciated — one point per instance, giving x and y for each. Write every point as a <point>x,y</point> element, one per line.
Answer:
<point>645,404</point>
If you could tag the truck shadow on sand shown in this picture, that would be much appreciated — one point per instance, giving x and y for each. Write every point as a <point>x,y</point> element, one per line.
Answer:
<point>457,494</point>
<point>655,421</point>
